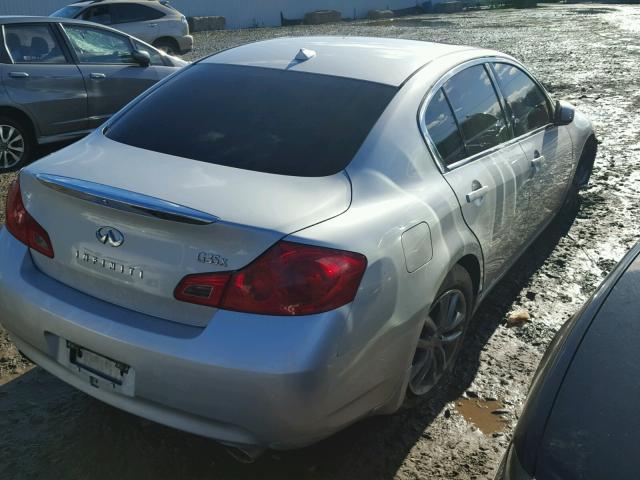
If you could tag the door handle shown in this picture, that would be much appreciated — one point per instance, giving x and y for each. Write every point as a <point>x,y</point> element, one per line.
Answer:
<point>537,163</point>
<point>18,74</point>
<point>477,194</point>
<point>97,76</point>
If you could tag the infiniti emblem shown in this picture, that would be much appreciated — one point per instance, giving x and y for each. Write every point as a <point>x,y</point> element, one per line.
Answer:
<point>110,236</point>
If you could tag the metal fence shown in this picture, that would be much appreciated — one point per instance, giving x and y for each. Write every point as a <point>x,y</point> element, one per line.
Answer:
<point>239,13</point>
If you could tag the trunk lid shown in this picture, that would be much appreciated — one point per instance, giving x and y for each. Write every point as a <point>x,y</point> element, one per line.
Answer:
<point>212,218</point>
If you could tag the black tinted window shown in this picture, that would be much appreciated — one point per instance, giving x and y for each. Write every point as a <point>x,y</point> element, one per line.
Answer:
<point>32,44</point>
<point>261,119</point>
<point>477,109</point>
<point>528,104</point>
<point>132,12</point>
<point>99,14</point>
<point>443,130</point>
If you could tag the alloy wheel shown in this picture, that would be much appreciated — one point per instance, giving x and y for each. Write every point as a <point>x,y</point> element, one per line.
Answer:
<point>11,146</point>
<point>439,341</point>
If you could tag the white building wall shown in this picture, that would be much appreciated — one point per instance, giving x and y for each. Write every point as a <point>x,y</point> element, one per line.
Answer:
<point>239,13</point>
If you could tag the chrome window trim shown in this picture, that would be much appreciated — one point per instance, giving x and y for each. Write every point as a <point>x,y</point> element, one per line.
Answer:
<point>125,200</point>
<point>486,61</point>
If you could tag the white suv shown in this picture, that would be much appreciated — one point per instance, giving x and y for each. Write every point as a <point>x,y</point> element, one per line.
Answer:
<point>155,22</point>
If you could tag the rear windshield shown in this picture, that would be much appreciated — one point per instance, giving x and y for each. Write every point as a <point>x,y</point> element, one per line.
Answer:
<point>259,119</point>
<point>66,12</point>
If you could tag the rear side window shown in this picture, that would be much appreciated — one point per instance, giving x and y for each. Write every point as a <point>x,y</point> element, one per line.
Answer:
<point>443,130</point>
<point>99,14</point>
<point>477,109</point>
<point>132,12</point>
<point>32,44</point>
<point>528,104</point>
<point>260,119</point>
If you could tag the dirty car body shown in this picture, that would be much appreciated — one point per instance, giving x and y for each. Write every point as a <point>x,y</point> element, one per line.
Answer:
<point>274,277</point>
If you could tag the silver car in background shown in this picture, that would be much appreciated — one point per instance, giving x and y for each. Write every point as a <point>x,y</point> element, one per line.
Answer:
<point>287,236</point>
<point>155,22</point>
<point>60,79</point>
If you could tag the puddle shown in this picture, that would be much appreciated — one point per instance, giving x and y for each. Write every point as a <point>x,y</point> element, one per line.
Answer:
<point>479,412</point>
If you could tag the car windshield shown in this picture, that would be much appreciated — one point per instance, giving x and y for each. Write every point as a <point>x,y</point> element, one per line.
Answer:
<point>260,119</point>
<point>66,12</point>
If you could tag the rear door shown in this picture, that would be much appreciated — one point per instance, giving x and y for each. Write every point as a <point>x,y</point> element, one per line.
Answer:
<point>43,79</point>
<point>488,172</point>
<point>548,147</point>
<point>138,20</point>
<point>111,75</point>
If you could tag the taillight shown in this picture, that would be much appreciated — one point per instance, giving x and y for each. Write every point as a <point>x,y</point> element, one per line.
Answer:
<point>288,279</point>
<point>23,226</point>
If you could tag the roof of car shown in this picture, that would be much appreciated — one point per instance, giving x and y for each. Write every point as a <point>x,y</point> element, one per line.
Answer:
<point>382,60</point>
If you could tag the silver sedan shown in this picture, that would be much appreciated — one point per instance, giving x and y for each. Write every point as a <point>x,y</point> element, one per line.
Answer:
<point>287,236</point>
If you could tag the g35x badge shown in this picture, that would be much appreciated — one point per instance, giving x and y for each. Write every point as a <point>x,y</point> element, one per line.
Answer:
<point>213,259</point>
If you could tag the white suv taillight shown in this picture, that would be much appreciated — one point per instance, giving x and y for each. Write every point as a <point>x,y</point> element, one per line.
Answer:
<point>288,279</point>
<point>23,226</point>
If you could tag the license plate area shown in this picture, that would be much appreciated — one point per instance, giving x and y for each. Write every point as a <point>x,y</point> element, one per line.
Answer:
<point>98,370</point>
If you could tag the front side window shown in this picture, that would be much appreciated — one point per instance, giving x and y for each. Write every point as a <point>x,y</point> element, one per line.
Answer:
<point>443,130</point>
<point>132,12</point>
<point>528,104</point>
<point>32,44</point>
<point>99,14</point>
<point>94,45</point>
<point>477,109</point>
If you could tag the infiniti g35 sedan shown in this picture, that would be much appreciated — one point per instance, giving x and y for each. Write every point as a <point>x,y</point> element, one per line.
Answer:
<point>60,79</point>
<point>287,236</point>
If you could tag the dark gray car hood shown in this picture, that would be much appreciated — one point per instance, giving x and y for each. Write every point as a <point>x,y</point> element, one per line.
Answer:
<point>594,429</point>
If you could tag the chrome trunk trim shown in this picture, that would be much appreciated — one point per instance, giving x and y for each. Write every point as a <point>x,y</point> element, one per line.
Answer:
<point>125,200</point>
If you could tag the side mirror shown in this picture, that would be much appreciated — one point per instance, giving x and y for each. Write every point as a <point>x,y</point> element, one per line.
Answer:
<point>564,113</point>
<point>142,57</point>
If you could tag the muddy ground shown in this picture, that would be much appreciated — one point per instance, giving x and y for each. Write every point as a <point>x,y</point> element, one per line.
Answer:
<point>588,54</point>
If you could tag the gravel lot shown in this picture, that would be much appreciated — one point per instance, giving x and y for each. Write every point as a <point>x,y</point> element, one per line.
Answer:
<point>588,54</point>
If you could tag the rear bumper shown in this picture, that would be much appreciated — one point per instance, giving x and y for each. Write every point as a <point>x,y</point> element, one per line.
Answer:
<point>185,43</point>
<point>244,379</point>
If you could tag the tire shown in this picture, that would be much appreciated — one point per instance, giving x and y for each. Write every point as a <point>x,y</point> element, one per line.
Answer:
<point>167,45</point>
<point>437,335</point>
<point>582,174</point>
<point>17,144</point>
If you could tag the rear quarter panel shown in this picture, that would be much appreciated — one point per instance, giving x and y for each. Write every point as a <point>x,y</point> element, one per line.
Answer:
<point>396,186</point>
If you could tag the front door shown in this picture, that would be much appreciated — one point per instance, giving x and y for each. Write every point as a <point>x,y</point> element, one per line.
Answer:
<point>112,76</point>
<point>548,148</point>
<point>43,81</point>
<point>486,169</point>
